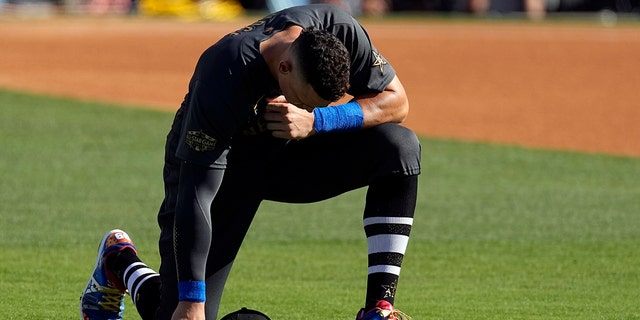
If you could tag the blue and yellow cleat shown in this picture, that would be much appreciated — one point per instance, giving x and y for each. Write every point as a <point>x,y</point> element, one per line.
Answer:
<point>382,311</point>
<point>103,298</point>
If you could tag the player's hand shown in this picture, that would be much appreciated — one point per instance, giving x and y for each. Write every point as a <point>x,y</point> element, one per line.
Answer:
<point>189,311</point>
<point>288,121</point>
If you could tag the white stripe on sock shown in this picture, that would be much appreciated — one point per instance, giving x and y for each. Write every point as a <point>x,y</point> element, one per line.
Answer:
<point>126,271</point>
<point>134,293</point>
<point>385,269</point>
<point>387,243</point>
<point>143,272</point>
<point>388,220</point>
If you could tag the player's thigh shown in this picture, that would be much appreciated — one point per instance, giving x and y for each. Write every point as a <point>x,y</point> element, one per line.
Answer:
<point>324,166</point>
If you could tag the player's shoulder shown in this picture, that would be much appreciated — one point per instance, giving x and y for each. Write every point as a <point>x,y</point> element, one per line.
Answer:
<point>322,13</point>
<point>322,8</point>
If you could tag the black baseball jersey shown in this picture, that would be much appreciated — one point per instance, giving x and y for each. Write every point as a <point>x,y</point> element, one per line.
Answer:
<point>231,77</point>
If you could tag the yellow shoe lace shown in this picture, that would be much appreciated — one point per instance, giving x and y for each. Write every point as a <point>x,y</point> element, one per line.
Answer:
<point>112,298</point>
<point>401,315</point>
<point>394,315</point>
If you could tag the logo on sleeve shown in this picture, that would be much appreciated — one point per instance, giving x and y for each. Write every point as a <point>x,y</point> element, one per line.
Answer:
<point>200,141</point>
<point>378,61</point>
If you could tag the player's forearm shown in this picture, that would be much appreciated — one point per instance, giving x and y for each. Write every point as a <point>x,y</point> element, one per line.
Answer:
<point>364,111</point>
<point>193,229</point>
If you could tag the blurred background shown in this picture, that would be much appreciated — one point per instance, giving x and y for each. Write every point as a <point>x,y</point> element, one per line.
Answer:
<point>230,9</point>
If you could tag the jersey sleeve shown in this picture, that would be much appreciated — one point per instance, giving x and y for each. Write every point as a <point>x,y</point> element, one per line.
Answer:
<point>370,70</point>
<point>222,94</point>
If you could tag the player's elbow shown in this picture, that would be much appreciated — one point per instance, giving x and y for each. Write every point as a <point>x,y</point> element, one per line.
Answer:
<point>400,109</point>
<point>403,111</point>
<point>398,98</point>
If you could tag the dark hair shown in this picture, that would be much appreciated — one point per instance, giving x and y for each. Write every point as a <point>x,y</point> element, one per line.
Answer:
<point>325,62</point>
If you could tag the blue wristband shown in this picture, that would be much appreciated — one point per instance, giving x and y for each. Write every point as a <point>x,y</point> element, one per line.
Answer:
<point>192,291</point>
<point>343,117</point>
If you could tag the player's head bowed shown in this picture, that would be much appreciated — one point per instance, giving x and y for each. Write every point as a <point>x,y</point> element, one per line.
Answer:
<point>324,62</point>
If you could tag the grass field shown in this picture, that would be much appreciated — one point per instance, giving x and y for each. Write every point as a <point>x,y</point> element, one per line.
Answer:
<point>501,232</point>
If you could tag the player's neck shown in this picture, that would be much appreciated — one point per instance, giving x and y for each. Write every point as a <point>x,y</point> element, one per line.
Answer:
<point>274,48</point>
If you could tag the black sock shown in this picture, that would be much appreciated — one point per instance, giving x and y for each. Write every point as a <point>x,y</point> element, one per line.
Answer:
<point>120,261</point>
<point>147,298</point>
<point>142,282</point>
<point>388,218</point>
<point>384,289</point>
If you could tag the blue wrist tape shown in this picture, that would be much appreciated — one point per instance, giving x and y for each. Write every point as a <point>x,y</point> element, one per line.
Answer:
<point>192,291</point>
<point>343,117</point>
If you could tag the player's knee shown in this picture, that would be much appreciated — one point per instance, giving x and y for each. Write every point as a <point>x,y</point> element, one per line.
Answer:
<point>400,146</point>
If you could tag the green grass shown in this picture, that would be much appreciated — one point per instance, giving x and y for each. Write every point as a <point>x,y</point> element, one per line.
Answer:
<point>501,232</point>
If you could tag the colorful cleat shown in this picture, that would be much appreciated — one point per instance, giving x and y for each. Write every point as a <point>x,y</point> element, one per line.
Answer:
<point>382,311</point>
<point>103,298</point>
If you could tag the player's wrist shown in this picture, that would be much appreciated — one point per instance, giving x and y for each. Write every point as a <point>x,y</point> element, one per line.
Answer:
<point>343,117</point>
<point>192,291</point>
<point>189,310</point>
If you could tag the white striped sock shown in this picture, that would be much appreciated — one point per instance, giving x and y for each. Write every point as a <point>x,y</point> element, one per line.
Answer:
<point>135,275</point>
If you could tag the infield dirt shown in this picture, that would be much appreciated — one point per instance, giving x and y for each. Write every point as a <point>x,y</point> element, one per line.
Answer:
<point>568,86</point>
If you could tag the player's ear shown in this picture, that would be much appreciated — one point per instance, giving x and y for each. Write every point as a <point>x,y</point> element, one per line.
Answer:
<point>285,66</point>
